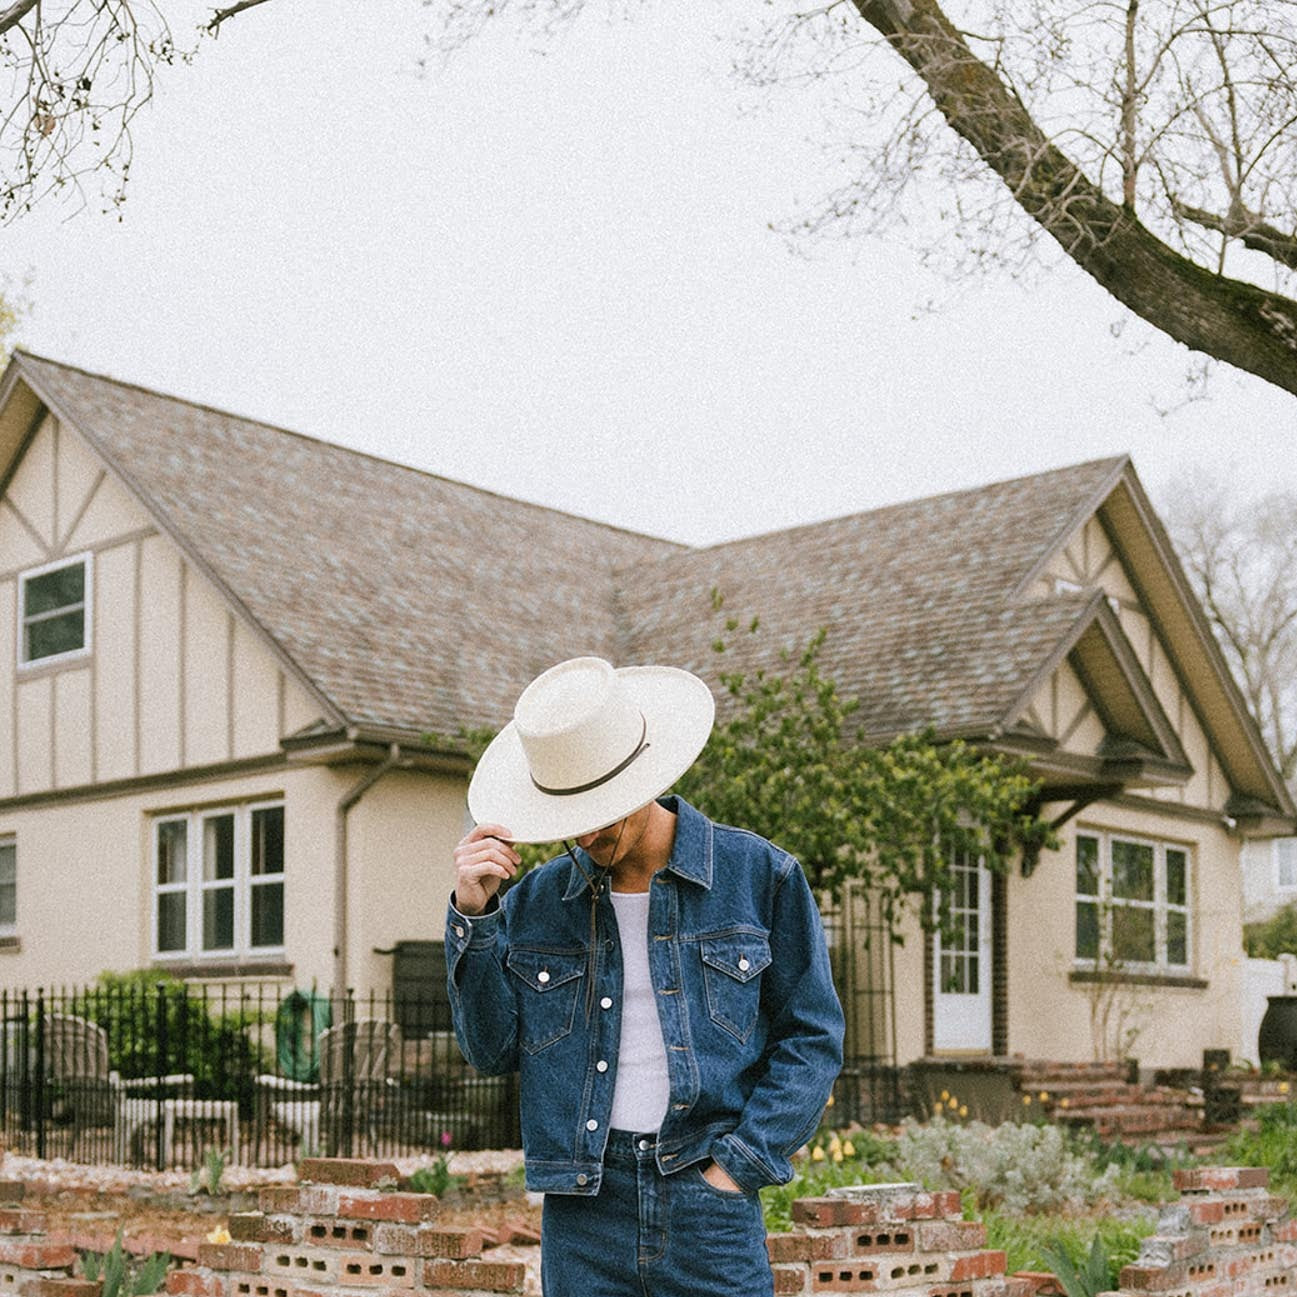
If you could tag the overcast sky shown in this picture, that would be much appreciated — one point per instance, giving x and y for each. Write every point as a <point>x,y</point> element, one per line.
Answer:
<point>551,274</point>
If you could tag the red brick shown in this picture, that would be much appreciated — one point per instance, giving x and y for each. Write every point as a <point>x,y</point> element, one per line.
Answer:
<point>519,1234</point>
<point>951,1235</point>
<point>789,1279</point>
<point>276,1198</point>
<point>1207,1212</point>
<point>1206,1179</point>
<point>329,1231</point>
<point>824,1213</point>
<point>61,1288</point>
<point>230,1256</point>
<point>38,1256</point>
<point>1285,1231</point>
<point>12,1190</point>
<point>788,1247</point>
<point>1043,1284</point>
<point>364,1269</point>
<point>844,1276</point>
<point>257,1227</point>
<point>423,1241</point>
<point>353,1172</point>
<point>17,1220</point>
<point>402,1208</point>
<point>981,1265</point>
<point>493,1276</point>
<point>195,1283</point>
<point>879,1239</point>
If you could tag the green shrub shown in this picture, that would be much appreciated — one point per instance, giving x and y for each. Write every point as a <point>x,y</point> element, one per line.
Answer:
<point>1033,1242</point>
<point>435,1179</point>
<point>834,1160</point>
<point>156,1025</point>
<point>1274,937</point>
<point>1273,1144</point>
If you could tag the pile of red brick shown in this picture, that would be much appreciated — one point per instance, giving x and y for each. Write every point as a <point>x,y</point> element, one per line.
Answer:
<point>338,1231</point>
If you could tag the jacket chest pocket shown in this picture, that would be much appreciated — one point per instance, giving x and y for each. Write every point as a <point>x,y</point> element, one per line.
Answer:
<point>732,967</point>
<point>547,985</point>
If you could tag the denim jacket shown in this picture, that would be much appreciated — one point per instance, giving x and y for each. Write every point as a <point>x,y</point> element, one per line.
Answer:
<point>750,1018</point>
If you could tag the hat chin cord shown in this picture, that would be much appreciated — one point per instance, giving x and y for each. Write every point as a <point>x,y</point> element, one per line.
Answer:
<point>596,886</point>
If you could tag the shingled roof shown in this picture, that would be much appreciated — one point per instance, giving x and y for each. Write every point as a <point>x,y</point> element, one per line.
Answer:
<point>419,605</point>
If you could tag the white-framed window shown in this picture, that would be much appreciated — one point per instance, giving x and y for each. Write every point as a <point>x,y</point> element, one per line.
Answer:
<point>1132,902</point>
<point>8,886</point>
<point>218,881</point>
<point>1285,864</point>
<point>54,603</point>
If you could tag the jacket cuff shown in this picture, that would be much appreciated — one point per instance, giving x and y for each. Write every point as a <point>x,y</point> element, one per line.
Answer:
<point>744,1166</point>
<point>465,931</point>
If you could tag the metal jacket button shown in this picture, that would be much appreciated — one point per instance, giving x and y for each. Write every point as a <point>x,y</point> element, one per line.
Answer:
<point>542,977</point>
<point>606,1002</point>
<point>592,1124</point>
<point>601,1065</point>
<point>743,966</point>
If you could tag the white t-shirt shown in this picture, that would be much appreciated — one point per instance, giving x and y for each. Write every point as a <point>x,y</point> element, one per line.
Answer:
<point>642,1089</point>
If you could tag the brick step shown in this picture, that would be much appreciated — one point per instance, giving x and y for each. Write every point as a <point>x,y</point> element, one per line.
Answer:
<point>1062,1072</point>
<point>1131,1120</point>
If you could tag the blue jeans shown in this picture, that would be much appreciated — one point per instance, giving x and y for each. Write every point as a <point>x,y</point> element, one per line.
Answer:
<point>649,1235</point>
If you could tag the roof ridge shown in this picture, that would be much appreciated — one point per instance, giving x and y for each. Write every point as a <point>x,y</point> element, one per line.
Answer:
<point>802,528</point>
<point>24,352</point>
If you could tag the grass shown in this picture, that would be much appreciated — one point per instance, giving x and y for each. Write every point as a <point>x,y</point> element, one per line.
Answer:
<point>1023,1237</point>
<point>1273,1144</point>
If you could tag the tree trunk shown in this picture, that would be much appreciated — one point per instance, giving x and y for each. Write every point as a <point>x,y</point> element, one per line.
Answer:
<point>1237,322</point>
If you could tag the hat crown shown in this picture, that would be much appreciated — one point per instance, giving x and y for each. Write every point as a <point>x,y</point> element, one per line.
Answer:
<point>576,724</point>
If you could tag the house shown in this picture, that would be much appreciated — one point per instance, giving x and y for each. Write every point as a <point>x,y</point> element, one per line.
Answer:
<point>1269,877</point>
<point>241,658</point>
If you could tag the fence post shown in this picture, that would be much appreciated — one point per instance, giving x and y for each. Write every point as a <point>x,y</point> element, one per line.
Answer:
<point>160,1058</point>
<point>40,1070</point>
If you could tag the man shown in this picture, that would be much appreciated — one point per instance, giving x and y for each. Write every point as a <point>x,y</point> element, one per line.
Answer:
<point>663,989</point>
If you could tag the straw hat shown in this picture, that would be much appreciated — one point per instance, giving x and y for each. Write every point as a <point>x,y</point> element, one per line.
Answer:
<point>589,744</point>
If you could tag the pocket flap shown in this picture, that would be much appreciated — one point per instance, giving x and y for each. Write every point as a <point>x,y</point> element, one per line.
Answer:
<point>741,955</point>
<point>543,970</point>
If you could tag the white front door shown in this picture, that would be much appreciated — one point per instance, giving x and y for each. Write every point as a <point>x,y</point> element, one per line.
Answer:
<point>961,964</point>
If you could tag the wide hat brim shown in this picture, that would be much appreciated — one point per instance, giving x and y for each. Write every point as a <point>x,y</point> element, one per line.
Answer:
<point>678,710</point>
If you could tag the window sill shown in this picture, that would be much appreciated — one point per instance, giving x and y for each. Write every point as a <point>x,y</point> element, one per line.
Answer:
<point>11,944</point>
<point>1182,981</point>
<point>224,968</point>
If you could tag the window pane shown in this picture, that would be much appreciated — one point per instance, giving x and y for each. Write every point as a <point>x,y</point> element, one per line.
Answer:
<point>172,837</point>
<point>8,904</point>
<point>8,856</point>
<point>1177,938</point>
<point>1132,870</point>
<point>1177,872</point>
<point>1087,930</point>
<point>1286,849</point>
<point>1132,935</point>
<point>268,841</point>
<point>218,847</point>
<point>268,914</point>
<point>1087,866</point>
<point>58,589</point>
<point>171,921</point>
<point>62,634</point>
<point>218,918</point>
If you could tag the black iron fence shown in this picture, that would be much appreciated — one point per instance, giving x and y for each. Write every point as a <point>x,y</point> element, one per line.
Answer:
<point>162,1074</point>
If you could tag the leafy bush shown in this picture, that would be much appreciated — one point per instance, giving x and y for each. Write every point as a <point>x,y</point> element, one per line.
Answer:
<point>123,1277</point>
<point>1272,1144</point>
<point>1017,1167</point>
<point>1276,936</point>
<point>156,1025</point>
<point>1034,1242</point>
<point>436,1179</point>
<point>206,1178</point>
<point>835,1159</point>
<point>1143,1172</point>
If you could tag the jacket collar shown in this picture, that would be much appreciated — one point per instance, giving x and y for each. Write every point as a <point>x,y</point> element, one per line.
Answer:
<point>691,852</point>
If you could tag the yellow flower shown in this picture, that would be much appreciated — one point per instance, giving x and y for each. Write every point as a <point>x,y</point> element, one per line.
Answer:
<point>219,1235</point>
<point>837,1155</point>
<point>1062,1103</point>
<point>835,1144</point>
<point>1026,1098</point>
<point>1283,1087</point>
<point>848,1148</point>
<point>830,1102</point>
<point>817,1154</point>
<point>952,1102</point>
<point>945,1094</point>
<point>1044,1096</point>
<point>963,1110</point>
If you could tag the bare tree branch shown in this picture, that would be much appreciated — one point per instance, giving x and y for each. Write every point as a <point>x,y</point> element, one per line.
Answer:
<point>222,14</point>
<point>1247,227</point>
<point>16,13</point>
